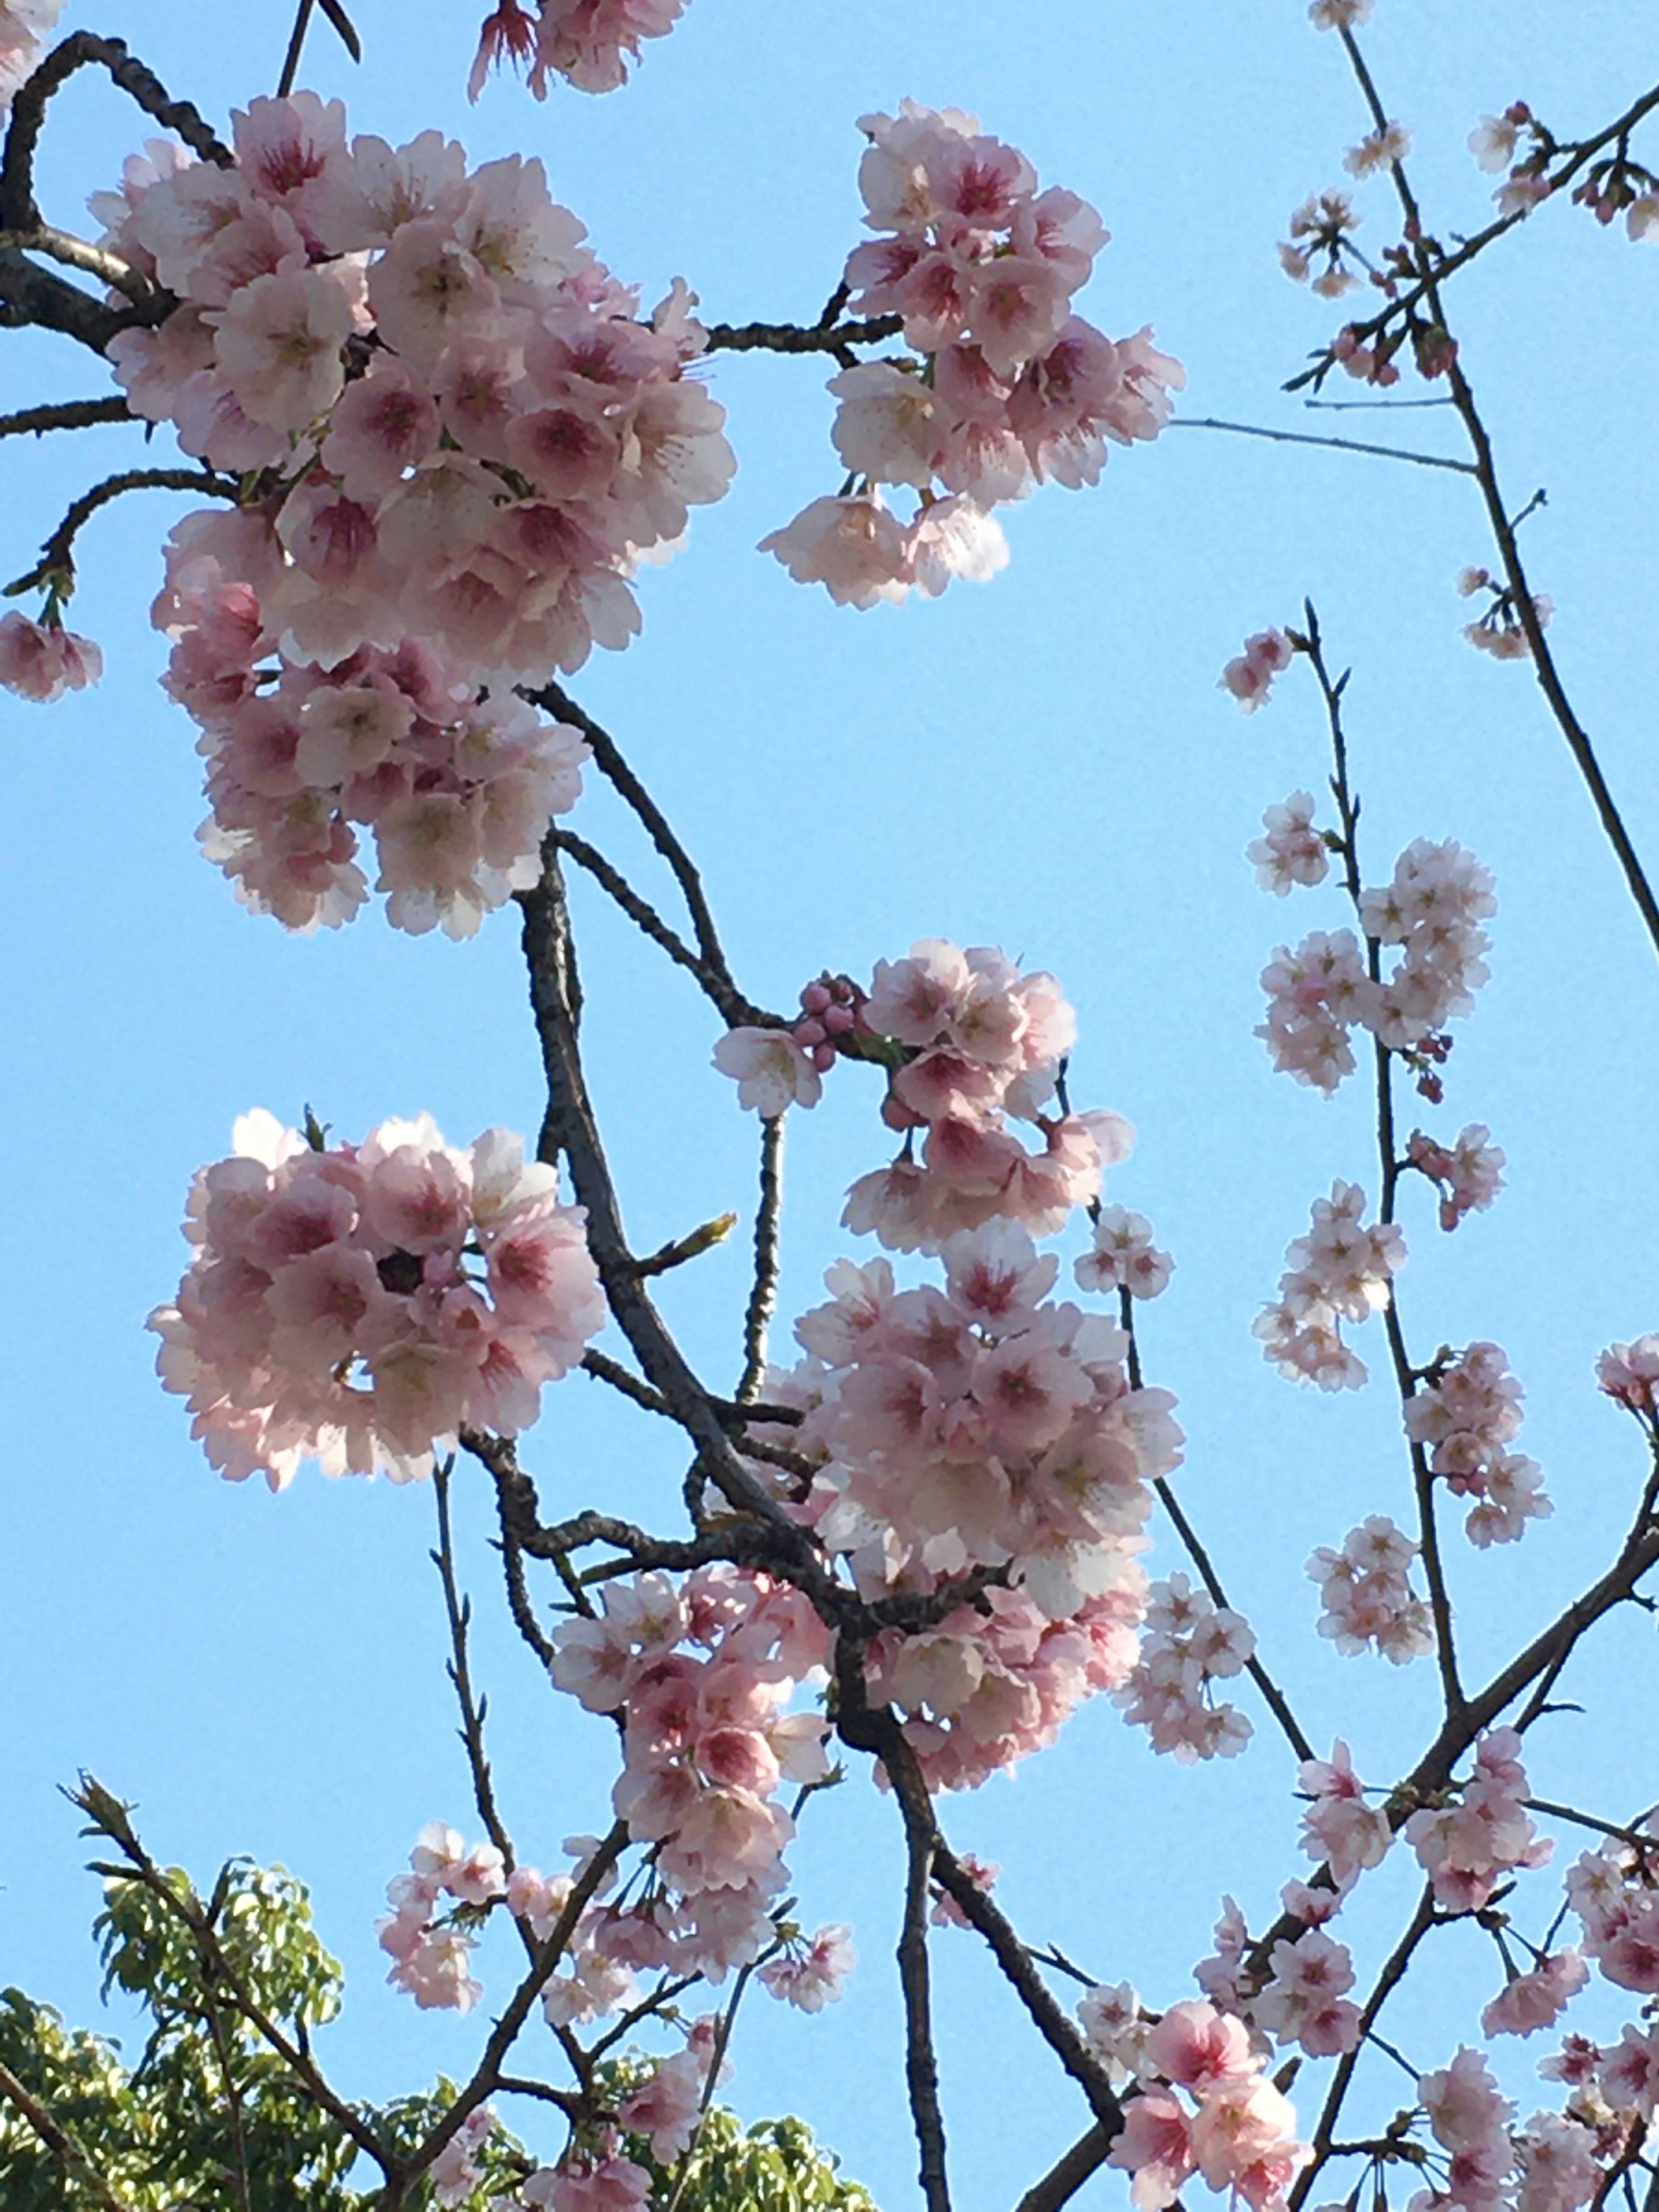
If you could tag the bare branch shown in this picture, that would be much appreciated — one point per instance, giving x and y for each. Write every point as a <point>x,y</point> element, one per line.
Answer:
<point>825,336</point>
<point>65,415</point>
<point>764,1294</point>
<point>58,556</point>
<point>1337,444</point>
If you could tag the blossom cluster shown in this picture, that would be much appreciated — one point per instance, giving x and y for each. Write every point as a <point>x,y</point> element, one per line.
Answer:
<point>1469,1172</point>
<point>700,1673</point>
<point>452,426</point>
<point>360,1305</point>
<point>1468,1415</point>
<point>1615,1893</point>
<point>1190,1642</point>
<point>456,790</point>
<point>1468,1846</point>
<point>589,43</point>
<point>1630,1374</point>
<point>1009,389</point>
<point>1339,1828</point>
<point>1290,851</point>
<point>1498,630</point>
<point>41,660</point>
<point>1339,1271</point>
<point>1432,910</point>
<point>431,1954</point>
<point>969,1044</point>
<point>1367,1599</point>
<point>982,1426</point>
<point>1123,1257</point>
<point>1238,2133</point>
<point>22,25</point>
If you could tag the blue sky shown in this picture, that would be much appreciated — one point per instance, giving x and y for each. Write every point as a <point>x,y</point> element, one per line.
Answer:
<point>1042,763</point>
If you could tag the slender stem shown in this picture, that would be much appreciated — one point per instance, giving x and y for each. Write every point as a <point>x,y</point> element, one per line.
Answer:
<point>295,48</point>
<point>65,415</point>
<point>764,1293</point>
<point>57,555</point>
<point>733,1007</point>
<point>1338,445</point>
<point>458,1612</point>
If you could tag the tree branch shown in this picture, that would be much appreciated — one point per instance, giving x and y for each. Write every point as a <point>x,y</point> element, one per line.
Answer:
<point>764,1294</point>
<point>59,2141</point>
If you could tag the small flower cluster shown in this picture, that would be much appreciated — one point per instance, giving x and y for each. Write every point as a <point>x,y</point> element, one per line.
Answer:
<point>1322,225</point>
<point>969,1043</point>
<point>1626,2075</point>
<point>1469,1173</point>
<point>1630,1374</point>
<point>1293,851</point>
<point>1467,1847</point>
<point>1378,149</point>
<point>1239,2134</point>
<point>1339,1271</point>
<point>1615,1893</point>
<point>589,43</point>
<point>1432,910</point>
<point>1011,389</point>
<point>1339,1828</point>
<point>1498,631</point>
<point>1530,2002</point>
<point>451,426</point>
<point>1366,1593</point>
<point>1470,2121</point>
<point>1249,676</point>
<point>1339,14</point>
<point>455,2173</point>
<point>360,1305</point>
<point>23,24</point>
<point>707,1743</point>
<point>808,1974</point>
<point>1123,1256</point>
<point>41,660</point>
<point>431,1956</point>
<point>457,792</point>
<point>1190,1642</point>
<point>1468,1414</point>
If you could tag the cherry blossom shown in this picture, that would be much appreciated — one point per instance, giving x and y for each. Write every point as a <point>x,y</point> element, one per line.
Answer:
<point>1292,852</point>
<point>1011,390</point>
<point>1338,1272</point>
<point>1339,1826</point>
<point>1367,1597</point>
<point>1471,2120</point>
<point>1615,1893</point>
<point>42,660</point>
<point>1467,1846</point>
<point>1630,1373</point>
<point>1469,1172</point>
<point>359,1304</point>
<point>23,24</point>
<point>431,1957</point>
<point>1239,2135</point>
<point>771,1071</point>
<point>1537,1999</point>
<point>1378,149</point>
<point>809,1975</point>
<point>1249,677</point>
<point>1124,1256</point>
<point>1467,1415</point>
<point>1190,1642</point>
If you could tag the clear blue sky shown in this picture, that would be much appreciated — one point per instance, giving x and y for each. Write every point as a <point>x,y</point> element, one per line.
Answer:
<point>1043,763</point>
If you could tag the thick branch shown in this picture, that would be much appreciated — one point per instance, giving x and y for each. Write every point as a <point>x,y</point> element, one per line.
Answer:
<point>797,338</point>
<point>62,2145</point>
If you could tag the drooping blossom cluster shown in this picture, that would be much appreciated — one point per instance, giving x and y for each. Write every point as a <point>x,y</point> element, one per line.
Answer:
<point>23,24</point>
<point>1320,225</point>
<point>701,1673</point>
<point>1237,2132</point>
<point>980,1426</point>
<point>809,1971</point>
<point>1339,1271</point>
<point>589,43</point>
<point>1498,630</point>
<point>41,660</point>
<point>1468,1415</point>
<point>1339,1828</point>
<point>451,426</point>
<point>1615,1893</point>
<point>1368,1601</point>
<point>1534,2000</point>
<point>1470,1172</point>
<point>431,1952</point>
<point>455,2173</point>
<point>360,1305</point>
<point>1470,2121</point>
<point>1300,1996</point>
<point>1123,1256</point>
<point>1010,388</point>
<point>1116,2026</point>
<point>1433,909</point>
<point>1378,149</point>
<point>1291,851</point>
<point>1468,1846</point>
<point>969,1044</point>
<point>1190,1642</point>
<point>1630,1374</point>
<point>457,791</point>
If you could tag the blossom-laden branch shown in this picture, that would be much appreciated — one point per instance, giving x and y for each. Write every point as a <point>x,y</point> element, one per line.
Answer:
<point>1444,354</point>
<point>59,2141</point>
<point>1347,805</point>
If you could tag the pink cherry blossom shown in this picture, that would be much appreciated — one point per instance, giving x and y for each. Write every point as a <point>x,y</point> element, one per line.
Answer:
<point>41,661</point>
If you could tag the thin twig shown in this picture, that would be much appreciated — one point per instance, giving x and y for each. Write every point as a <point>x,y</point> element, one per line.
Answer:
<point>57,555</point>
<point>763,1291</point>
<point>458,1612</point>
<point>1338,445</point>
<point>733,1007</point>
<point>65,415</point>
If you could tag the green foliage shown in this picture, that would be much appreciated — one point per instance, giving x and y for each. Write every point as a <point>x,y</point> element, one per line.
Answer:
<point>212,2118</point>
